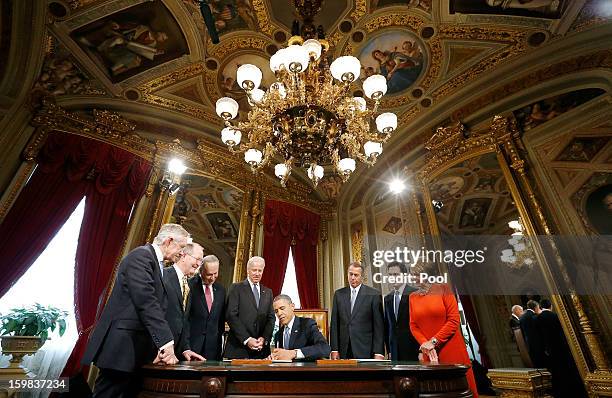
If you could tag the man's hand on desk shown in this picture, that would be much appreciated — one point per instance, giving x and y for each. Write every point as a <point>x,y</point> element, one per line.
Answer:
<point>280,353</point>
<point>334,355</point>
<point>378,356</point>
<point>166,356</point>
<point>193,356</point>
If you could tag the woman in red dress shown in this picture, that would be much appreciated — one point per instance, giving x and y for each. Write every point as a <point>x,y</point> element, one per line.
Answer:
<point>435,324</point>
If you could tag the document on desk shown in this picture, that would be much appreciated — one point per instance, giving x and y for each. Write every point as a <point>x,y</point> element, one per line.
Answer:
<point>282,361</point>
<point>373,360</point>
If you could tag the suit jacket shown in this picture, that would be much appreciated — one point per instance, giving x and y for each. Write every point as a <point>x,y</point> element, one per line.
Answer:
<point>246,320</point>
<point>566,381</point>
<point>132,326</point>
<point>364,328</point>
<point>206,328</point>
<point>533,338</point>
<point>514,322</point>
<point>175,316</point>
<point>306,336</point>
<point>400,342</point>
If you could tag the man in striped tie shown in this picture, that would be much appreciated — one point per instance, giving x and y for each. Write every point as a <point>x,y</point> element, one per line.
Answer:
<point>179,294</point>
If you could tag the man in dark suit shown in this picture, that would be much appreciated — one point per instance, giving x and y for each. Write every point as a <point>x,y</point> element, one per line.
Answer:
<point>298,337</point>
<point>132,329</point>
<point>357,326</point>
<point>176,281</point>
<point>401,345</point>
<point>249,315</point>
<point>207,313</point>
<point>515,318</point>
<point>566,381</point>
<point>532,335</point>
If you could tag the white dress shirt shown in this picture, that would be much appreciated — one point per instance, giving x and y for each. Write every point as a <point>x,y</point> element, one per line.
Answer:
<point>160,258</point>
<point>298,352</point>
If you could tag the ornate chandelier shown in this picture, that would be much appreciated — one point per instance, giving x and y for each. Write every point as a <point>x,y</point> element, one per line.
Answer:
<point>308,117</point>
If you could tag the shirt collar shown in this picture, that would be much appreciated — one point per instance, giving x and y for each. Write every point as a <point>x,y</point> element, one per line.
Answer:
<point>514,315</point>
<point>179,273</point>
<point>251,283</point>
<point>546,309</point>
<point>158,253</point>
<point>401,289</point>
<point>356,288</point>
<point>290,324</point>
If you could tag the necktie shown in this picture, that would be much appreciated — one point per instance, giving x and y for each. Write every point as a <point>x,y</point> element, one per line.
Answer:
<point>256,294</point>
<point>208,297</point>
<point>286,337</point>
<point>353,297</point>
<point>185,288</point>
<point>396,301</point>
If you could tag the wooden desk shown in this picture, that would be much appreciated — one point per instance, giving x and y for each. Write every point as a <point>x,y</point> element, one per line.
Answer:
<point>300,379</point>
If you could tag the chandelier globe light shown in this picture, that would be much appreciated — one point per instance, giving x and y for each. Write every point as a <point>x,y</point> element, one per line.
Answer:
<point>308,117</point>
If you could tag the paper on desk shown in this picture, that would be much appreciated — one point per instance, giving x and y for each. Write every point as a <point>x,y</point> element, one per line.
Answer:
<point>373,360</point>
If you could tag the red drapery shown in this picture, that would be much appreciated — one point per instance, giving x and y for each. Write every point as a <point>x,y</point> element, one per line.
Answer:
<point>70,167</point>
<point>285,223</point>
<point>470,314</point>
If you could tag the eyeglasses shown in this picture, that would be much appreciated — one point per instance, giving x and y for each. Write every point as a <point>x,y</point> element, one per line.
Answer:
<point>198,261</point>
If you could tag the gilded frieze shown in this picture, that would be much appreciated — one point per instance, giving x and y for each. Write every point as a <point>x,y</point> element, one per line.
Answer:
<point>596,59</point>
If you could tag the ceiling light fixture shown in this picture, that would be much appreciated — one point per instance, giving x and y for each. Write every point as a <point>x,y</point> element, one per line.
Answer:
<point>308,118</point>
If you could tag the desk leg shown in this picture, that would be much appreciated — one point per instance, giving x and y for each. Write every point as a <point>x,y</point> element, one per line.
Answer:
<point>406,387</point>
<point>213,387</point>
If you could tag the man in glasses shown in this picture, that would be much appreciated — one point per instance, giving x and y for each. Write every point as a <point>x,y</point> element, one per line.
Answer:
<point>207,312</point>
<point>176,281</point>
<point>132,329</point>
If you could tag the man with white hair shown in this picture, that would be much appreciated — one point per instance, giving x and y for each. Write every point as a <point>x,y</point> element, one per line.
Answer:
<point>517,311</point>
<point>250,315</point>
<point>132,329</point>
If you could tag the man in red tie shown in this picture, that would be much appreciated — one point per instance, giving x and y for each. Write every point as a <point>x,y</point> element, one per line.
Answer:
<point>207,313</point>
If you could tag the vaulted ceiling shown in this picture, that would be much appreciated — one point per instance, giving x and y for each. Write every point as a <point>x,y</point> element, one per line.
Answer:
<point>154,61</point>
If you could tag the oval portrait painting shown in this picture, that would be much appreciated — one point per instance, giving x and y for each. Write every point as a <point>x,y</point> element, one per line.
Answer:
<point>397,55</point>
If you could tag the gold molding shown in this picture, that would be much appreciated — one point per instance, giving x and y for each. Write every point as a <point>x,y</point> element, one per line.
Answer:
<point>452,145</point>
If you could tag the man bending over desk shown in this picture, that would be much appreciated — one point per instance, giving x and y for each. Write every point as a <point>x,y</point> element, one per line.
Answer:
<point>297,337</point>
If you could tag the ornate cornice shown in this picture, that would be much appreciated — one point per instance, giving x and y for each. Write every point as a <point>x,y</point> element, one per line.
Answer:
<point>206,158</point>
<point>597,59</point>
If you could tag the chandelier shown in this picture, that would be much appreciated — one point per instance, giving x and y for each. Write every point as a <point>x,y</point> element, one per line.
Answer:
<point>308,117</point>
<point>521,253</point>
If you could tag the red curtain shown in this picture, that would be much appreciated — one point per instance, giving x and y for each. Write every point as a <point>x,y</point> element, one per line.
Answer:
<point>470,314</point>
<point>277,241</point>
<point>68,168</point>
<point>286,224</point>
<point>108,206</point>
<point>306,227</point>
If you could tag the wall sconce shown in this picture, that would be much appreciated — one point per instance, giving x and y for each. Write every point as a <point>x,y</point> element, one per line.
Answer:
<point>171,180</point>
<point>521,254</point>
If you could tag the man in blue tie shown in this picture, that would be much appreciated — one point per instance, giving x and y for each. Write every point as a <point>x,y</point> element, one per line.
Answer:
<point>298,337</point>
<point>249,315</point>
<point>401,345</point>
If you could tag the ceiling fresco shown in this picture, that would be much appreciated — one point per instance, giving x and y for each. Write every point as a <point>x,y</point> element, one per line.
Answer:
<point>158,58</point>
<point>475,198</point>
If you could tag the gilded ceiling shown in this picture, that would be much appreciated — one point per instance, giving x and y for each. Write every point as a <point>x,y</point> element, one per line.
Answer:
<point>445,61</point>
